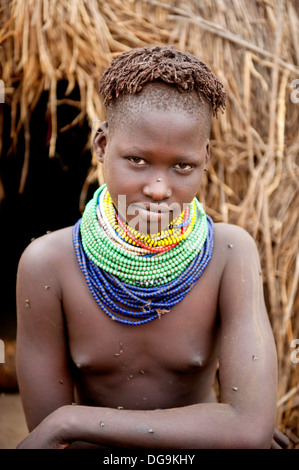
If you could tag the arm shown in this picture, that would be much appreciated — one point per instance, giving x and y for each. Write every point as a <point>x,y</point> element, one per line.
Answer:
<point>42,354</point>
<point>246,415</point>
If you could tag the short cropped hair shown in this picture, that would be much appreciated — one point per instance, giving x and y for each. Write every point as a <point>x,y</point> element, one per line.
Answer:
<point>131,71</point>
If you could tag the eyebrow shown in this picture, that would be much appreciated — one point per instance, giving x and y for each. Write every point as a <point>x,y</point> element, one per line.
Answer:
<point>135,150</point>
<point>147,153</point>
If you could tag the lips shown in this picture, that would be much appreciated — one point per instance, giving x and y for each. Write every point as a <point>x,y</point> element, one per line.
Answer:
<point>152,208</point>
<point>150,213</point>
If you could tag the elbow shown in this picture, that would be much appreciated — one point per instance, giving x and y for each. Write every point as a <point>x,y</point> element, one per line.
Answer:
<point>256,436</point>
<point>257,441</point>
<point>251,430</point>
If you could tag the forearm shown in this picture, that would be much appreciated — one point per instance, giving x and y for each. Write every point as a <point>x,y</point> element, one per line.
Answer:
<point>196,426</point>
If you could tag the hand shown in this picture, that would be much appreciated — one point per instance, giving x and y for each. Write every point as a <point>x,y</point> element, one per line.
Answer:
<point>279,440</point>
<point>47,435</point>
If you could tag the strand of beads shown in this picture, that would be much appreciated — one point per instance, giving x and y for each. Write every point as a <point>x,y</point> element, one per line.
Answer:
<point>177,229</point>
<point>106,226</point>
<point>152,246</point>
<point>134,269</point>
<point>147,303</point>
<point>120,237</point>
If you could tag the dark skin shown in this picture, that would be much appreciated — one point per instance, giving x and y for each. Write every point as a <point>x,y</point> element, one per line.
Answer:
<point>148,386</point>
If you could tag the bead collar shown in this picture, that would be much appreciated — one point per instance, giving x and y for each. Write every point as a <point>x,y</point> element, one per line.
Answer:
<point>130,283</point>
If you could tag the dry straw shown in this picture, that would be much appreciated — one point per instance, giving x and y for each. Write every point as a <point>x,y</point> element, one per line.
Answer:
<point>253,46</point>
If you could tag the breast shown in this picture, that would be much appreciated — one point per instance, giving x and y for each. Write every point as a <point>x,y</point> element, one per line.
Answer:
<point>145,385</point>
<point>164,345</point>
<point>182,343</point>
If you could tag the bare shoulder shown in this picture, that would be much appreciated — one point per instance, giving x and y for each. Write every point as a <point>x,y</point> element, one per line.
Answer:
<point>233,232</point>
<point>48,244</point>
<point>238,251</point>
<point>47,252</point>
<point>241,287</point>
<point>233,240</point>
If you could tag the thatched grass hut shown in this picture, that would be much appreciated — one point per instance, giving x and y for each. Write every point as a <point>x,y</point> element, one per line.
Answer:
<point>55,51</point>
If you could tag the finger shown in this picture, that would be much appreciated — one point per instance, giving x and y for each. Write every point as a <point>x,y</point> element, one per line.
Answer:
<point>275,445</point>
<point>281,438</point>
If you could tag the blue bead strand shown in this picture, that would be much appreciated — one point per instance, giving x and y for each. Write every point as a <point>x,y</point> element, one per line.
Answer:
<point>107,289</point>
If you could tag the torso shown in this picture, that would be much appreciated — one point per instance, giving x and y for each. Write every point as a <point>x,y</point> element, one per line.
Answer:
<point>166,363</point>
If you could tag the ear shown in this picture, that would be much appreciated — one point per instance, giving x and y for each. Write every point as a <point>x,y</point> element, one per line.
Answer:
<point>100,140</point>
<point>207,157</point>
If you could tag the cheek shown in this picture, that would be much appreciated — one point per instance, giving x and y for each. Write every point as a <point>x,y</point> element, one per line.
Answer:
<point>189,187</point>
<point>118,184</point>
<point>112,176</point>
<point>115,170</point>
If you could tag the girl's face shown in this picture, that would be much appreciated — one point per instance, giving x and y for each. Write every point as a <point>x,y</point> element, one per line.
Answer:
<point>153,165</point>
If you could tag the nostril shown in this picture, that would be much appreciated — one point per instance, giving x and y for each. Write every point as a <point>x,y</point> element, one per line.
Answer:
<point>157,191</point>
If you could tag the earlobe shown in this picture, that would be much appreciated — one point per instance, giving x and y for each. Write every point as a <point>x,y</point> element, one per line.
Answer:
<point>100,140</point>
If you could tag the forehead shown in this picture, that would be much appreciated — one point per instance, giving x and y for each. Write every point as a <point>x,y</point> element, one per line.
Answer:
<point>159,133</point>
<point>158,98</point>
<point>167,124</point>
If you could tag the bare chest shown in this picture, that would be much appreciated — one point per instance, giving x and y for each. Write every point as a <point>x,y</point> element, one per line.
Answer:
<point>183,338</point>
<point>163,358</point>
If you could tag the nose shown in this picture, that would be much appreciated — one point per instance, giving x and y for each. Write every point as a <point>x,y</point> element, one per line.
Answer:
<point>158,189</point>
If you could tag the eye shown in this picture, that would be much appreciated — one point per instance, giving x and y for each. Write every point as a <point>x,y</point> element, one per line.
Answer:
<point>183,167</point>
<point>137,161</point>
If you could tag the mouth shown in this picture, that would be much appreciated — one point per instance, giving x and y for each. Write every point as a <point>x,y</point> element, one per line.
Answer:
<point>150,218</point>
<point>152,207</point>
<point>151,211</point>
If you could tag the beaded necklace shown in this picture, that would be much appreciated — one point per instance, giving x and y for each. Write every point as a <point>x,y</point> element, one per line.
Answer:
<point>134,241</point>
<point>133,278</point>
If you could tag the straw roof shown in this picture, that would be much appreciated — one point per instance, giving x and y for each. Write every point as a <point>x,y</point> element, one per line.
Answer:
<point>253,47</point>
